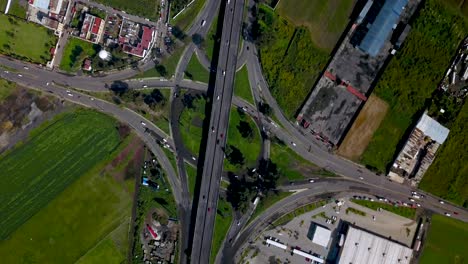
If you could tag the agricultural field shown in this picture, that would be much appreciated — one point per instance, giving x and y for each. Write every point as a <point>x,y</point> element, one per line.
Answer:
<point>326,20</point>
<point>191,122</point>
<point>412,76</point>
<point>195,71</point>
<point>291,62</point>
<point>16,35</point>
<point>75,52</point>
<point>360,134</point>
<point>447,177</point>
<point>446,241</point>
<point>244,136</point>
<point>143,8</point>
<point>93,171</point>
<point>242,87</point>
<point>222,223</point>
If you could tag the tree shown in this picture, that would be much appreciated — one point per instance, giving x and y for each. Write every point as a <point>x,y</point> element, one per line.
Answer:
<point>234,155</point>
<point>264,108</point>
<point>269,174</point>
<point>161,70</point>
<point>119,87</point>
<point>197,39</point>
<point>188,100</point>
<point>245,130</point>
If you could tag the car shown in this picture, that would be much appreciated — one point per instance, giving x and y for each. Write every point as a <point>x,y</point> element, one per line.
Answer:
<point>26,68</point>
<point>203,23</point>
<point>311,180</point>
<point>19,75</point>
<point>209,209</point>
<point>224,73</point>
<point>217,98</point>
<point>238,223</point>
<point>441,202</point>
<point>194,158</point>
<point>221,135</point>
<point>447,214</point>
<point>254,170</point>
<point>418,205</point>
<point>92,99</point>
<point>47,84</point>
<point>373,217</point>
<point>292,143</point>
<point>203,197</point>
<point>145,86</point>
<point>212,129</point>
<point>143,123</point>
<point>412,200</point>
<point>361,178</point>
<point>69,94</point>
<point>455,213</point>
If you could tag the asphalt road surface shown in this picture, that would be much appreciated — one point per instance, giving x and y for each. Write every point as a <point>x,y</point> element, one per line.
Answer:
<point>219,122</point>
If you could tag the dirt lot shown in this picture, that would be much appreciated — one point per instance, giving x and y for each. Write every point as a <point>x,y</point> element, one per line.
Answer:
<point>363,128</point>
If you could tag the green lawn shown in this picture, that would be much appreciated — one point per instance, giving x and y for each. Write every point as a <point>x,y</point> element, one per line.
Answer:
<point>291,62</point>
<point>268,201</point>
<point>210,41</point>
<point>68,146</point>
<point>249,147</point>
<point>6,88</point>
<point>86,219</point>
<point>3,4</point>
<point>242,87</point>
<point>446,241</point>
<point>142,8</point>
<point>192,178</point>
<point>190,123</point>
<point>168,63</point>
<point>222,224</point>
<point>195,71</point>
<point>326,20</point>
<point>171,157</point>
<point>400,210</point>
<point>16,9</point>
<point>75,52</point>
<point>185,19</point>
<point>412,76</point>
<point>16,36</point>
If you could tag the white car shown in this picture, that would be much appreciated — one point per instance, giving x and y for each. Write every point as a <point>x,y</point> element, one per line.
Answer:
<point>69,94</point>
<point>143,123</point>
<point>361,178</point>
<point>441,202</point>
<point>224,73</point>
<point>91,98</point>
<point>145,86</point>
<point>47,84</point>
<point>19,75</point>
<point>447,214</point>
<point>294,144</point>
<point>26,68</point>
<point>311,181</point>
<point>217,98</point>
<point>194,158</point>
<point>203,23</point>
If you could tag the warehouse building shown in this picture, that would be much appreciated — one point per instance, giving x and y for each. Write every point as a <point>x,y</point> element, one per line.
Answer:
<point>346,82</point>
<point>319,235</point>
<point>419,151</point>
<point>363,247</point>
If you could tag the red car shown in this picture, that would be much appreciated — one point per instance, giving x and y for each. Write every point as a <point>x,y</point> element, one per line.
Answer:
<point>455,213</point>
<point>208,209</point>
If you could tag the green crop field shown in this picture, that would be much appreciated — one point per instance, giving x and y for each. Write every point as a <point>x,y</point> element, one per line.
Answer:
<point>291,62</point>
<point>446,241</point>
<point>144,8</point>
<point>16,35</point>
<point>249,147</point>
<point>222,223</point>
<point>195,70</point>
<point>326,20</point>
<point>411,77</point>
<point>191,121</point>
<point>63,207</point>
<point>242,87</point>
<point>75,52</point>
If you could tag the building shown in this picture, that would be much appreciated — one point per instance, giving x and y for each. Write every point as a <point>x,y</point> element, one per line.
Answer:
<point>346,83</point>
<point>92,28</point>
<point>135,38</point>
<point>363,247</point>
<point>49,13</point>
<point>319,235</point>
<point>87,65</point>
<point>419,150</point>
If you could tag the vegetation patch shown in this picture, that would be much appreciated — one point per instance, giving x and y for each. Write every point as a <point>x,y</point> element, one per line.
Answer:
<point>192,178</point>
<point>212,39</point>
<point>291,62</point>
<point>75,52</point>
<point>195,71</point>
<point>191,121</point>
<point>446,241</point>
<point>243,142</point>
<point>297,212</point>
<point>143,8</point>
<point>267,201</point>
<point>186,18</point>
<point>16,35</point>
<point>355,211</point>
<point>222,223</point>
<point>412,76</point>
<point>242,87</point>
<point>326,20</point>
<point>399,210</point>
<point>447,177</point>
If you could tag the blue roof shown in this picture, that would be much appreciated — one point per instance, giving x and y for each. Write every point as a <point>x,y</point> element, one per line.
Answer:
<point>382,26</point>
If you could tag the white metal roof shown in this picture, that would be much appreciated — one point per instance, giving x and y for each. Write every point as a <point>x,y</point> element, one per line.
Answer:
<point>307,255</point>
<point>321,236</point>
<point>363,247</point>
<point>433,129</point>
<point>276,244</point>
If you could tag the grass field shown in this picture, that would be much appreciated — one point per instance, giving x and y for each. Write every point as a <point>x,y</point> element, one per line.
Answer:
<point>242,87</point>
<point>185,19</point>
<point>192,178</point>
<point>16,9</point>
<point>291,62</point>
<point>222,224</point>
<point>16,35</point>
<point>143,8</point>
<point>195,70</point>
<point>250,147</point>
<point>3,4</point>
<point>401,210</point>
<point>446,241</point>
<point>191,121</point>
<point>447,177</point>
<point>210,41</point>
<point>412,76</point>
<point>69,146</point>
<point>326,20</point>
<point>75,52</point>
<point>75,230</point>
<point>360,134</point>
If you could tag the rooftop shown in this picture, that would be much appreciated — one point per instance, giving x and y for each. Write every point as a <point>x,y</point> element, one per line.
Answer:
<point>433,129</point>
<point>321,235</point>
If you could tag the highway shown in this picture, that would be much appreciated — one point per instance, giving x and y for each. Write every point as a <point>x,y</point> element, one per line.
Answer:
<point>219,122</point>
